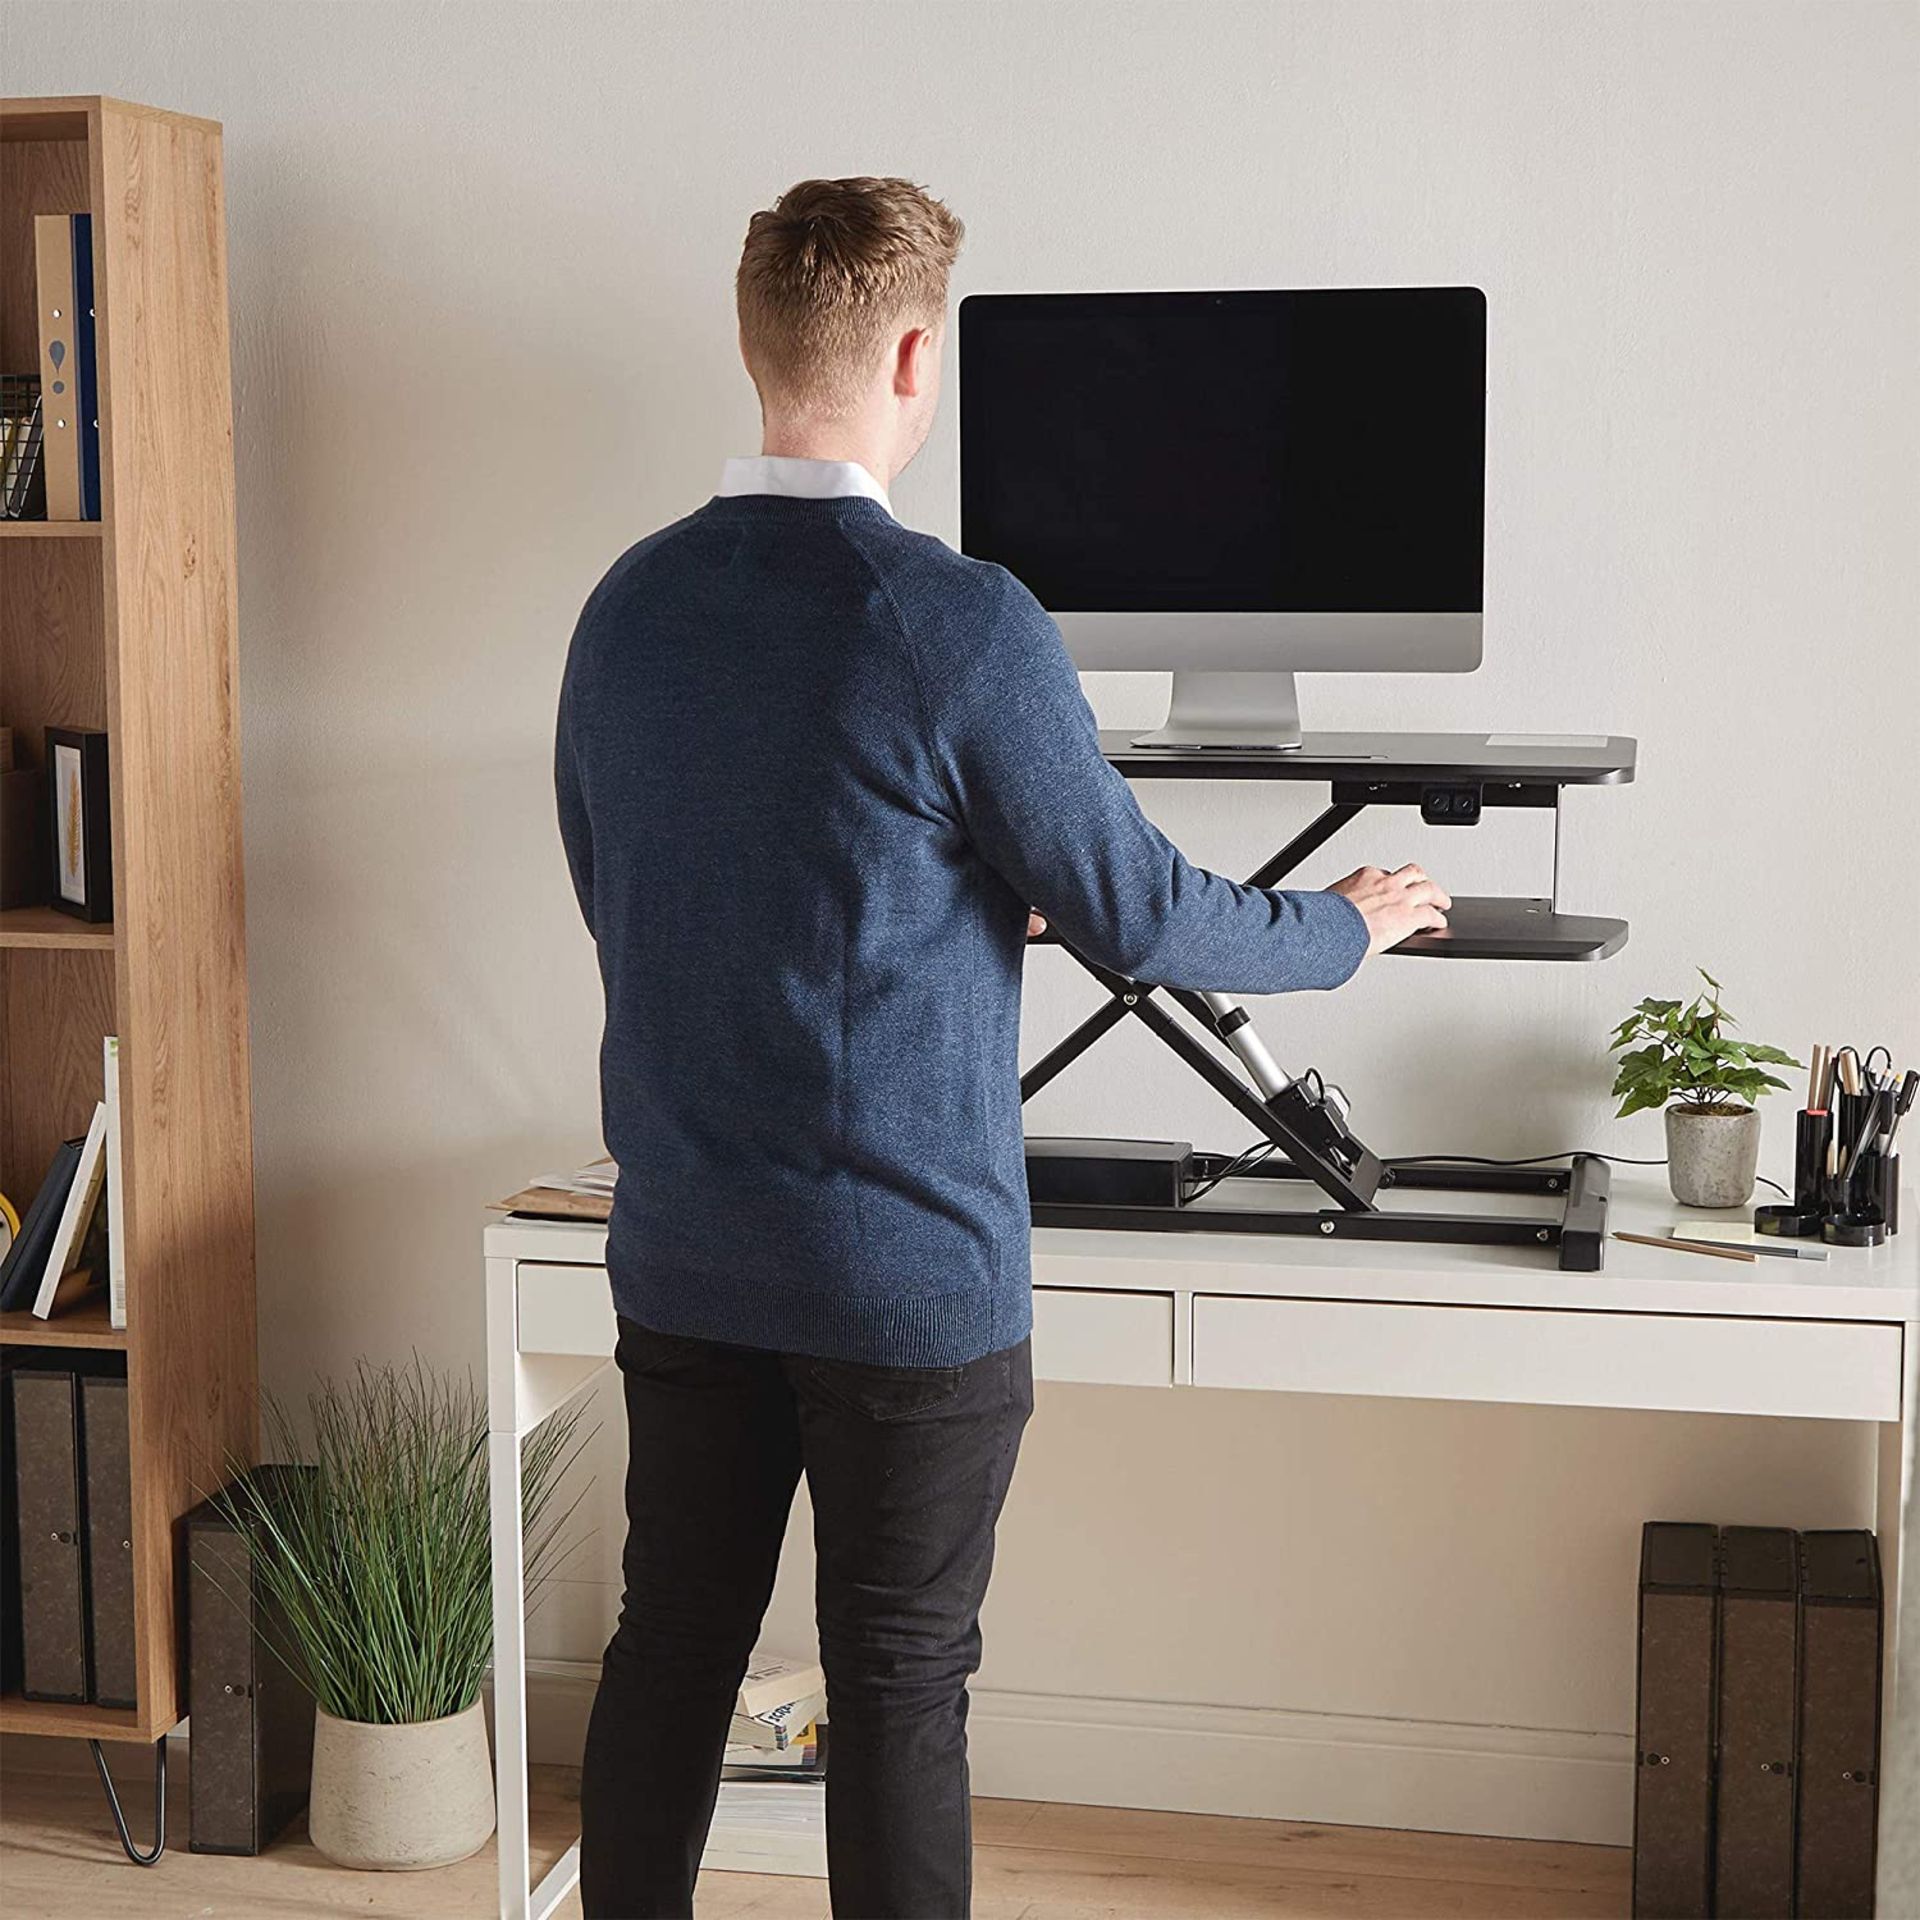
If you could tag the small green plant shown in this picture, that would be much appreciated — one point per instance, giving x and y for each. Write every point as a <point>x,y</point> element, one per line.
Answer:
<point>374,1541</point>
<point>1688,1057</point>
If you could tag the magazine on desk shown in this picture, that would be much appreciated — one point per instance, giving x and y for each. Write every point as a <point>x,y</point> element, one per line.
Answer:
<point>584,1194</point>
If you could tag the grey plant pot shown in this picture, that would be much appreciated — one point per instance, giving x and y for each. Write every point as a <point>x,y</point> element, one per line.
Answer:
<point>1711,1157</point>
<point>396,1798</point>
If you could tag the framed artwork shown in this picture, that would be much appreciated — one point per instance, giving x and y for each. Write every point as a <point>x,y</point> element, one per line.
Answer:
<point>77,812</point>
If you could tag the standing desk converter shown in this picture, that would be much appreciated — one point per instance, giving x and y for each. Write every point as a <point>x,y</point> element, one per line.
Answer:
<point>1454,780</point>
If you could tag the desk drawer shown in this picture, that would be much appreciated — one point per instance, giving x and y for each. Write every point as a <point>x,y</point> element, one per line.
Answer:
<point>1111,1339</point>
<point>564,1309</point>
<point>1120,1339</point>
<point>1818,1369</point>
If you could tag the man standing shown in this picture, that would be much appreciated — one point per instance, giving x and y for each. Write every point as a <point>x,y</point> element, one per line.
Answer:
<point>814,770</point>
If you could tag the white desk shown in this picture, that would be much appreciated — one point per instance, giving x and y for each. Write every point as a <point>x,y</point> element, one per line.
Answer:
<point>1657,1331</point>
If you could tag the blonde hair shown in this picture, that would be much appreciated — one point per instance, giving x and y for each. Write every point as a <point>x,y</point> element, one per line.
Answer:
<point>827,276</point>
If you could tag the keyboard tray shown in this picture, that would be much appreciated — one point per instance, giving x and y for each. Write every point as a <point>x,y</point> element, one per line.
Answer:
<point>1489,927</point>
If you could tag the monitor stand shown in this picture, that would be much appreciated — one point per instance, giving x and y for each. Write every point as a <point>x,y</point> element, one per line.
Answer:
<point>1238,710</point>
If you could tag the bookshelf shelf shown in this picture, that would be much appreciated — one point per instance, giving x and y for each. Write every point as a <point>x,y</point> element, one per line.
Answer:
<point>129,624</point>
<point>81,1326</point>
<point>47,927</point>
<point>58,1717</point>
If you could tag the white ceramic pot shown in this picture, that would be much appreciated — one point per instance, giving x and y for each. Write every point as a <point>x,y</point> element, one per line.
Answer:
<point>401,1797</point>
<point>1712,1155</point>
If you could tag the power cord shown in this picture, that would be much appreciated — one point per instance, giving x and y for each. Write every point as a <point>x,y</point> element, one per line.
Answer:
<point>1531,1160</point>
<point>1259,1151</point>
<point>1240,1163</point>
<point>1535,1159</point>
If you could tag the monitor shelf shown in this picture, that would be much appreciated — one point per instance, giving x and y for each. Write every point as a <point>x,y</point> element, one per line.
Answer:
<point>1391,760</point>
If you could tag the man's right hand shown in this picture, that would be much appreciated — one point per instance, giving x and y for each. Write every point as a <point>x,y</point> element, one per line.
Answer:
<point>1394,905</point>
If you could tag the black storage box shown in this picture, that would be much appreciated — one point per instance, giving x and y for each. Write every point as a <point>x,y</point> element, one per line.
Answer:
<point>1106,1173</point>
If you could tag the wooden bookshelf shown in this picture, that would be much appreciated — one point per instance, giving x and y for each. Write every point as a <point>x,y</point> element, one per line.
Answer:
<point>128,623</point>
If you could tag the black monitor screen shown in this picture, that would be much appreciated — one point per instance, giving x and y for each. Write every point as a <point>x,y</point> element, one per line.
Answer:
<point>1228,452</point>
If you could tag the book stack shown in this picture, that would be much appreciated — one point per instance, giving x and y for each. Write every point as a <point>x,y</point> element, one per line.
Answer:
<point>771,1815</point>
<point>66,1582</point>
<point>780,1699</point>
<point>64,1252</point>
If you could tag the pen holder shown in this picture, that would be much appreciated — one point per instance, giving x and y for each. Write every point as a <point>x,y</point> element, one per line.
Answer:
<point>1888,1189</point>
<point>1811,1132</point>
<point>1850,1115</point>
<point>1802,1218</point>
<point>1856,1218</point>
<point>1862,1229</point>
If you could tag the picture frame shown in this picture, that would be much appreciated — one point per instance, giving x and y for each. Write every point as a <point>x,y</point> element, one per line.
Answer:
<point>79,824</point>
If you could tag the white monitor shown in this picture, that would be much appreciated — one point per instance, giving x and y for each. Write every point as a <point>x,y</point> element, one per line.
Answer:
<point>1236,487</point>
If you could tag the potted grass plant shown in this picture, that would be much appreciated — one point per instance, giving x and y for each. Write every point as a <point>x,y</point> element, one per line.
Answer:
<point>1681,1057</point>
<point>378,1557</point>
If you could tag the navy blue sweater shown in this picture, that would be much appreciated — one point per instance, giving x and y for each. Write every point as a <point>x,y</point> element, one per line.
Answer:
<point>812,769</point>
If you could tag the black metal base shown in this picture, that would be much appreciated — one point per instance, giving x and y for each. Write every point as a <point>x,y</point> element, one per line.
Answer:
<point>1578,1232</point>
<point>152,1854</point>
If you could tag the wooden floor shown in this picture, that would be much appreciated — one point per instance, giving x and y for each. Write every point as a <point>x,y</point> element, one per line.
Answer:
<point>58,1857</point>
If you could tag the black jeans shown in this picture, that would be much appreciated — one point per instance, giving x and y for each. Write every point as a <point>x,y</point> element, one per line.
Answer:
<point>907,1468</point>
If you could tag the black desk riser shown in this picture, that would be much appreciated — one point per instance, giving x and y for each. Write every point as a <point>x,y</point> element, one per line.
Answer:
<point>1453,779</point>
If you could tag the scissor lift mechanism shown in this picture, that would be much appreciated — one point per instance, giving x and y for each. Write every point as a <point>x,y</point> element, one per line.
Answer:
<point>1453,779</point>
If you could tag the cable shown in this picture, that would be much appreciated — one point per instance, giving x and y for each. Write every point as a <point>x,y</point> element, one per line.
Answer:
<point>1239,1164</point>
<point>1315,1088</point>
<point>1534,1159</point>
<point>1253,1155</point>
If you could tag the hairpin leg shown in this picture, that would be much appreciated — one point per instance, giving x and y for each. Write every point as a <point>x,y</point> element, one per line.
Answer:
<point>159,1846</point>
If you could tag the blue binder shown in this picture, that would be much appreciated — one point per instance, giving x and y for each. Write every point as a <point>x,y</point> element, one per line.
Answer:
<point>86,368</point>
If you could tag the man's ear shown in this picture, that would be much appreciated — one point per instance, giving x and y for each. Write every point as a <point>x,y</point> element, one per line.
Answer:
<point>916,357</point>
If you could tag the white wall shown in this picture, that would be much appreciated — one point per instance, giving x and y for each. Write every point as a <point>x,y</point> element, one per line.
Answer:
<point>481,260</point>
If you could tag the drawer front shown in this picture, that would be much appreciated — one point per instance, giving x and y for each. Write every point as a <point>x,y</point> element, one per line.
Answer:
<point>564,1309</point>
<point>1119,1339</point>
<point>1110,1339</point>
<point>1817,1369</point>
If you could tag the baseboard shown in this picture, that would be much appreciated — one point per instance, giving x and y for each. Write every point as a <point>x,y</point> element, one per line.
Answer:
<point>1343,1770</point>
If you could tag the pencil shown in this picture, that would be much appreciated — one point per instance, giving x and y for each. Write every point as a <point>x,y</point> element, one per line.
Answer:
<point>1814,1077</point>
<point>1690,1246</point>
